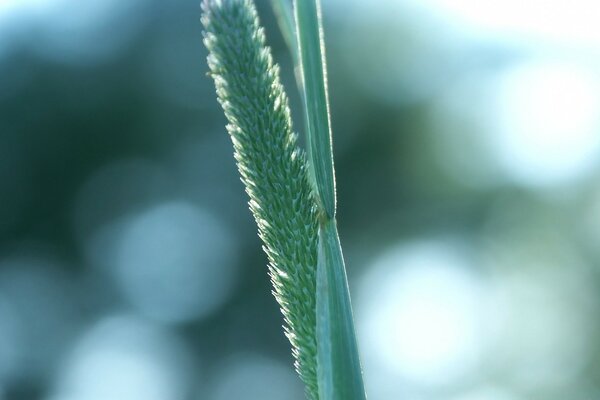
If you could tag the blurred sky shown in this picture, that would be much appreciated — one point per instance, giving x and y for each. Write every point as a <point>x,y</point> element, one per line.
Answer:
<point>467,147</point>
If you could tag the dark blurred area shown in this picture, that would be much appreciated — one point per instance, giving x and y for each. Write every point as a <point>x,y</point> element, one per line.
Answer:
<point>467,147</point>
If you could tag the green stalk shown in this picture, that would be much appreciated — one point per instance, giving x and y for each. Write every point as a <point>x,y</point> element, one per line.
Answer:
<point>316,105</point>
<point>339,369</point>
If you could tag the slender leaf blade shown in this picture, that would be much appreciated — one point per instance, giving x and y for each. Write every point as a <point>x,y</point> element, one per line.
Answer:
<point>338,368</point>
<point>316,106</point>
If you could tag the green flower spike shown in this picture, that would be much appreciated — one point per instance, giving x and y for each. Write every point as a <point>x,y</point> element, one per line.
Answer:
<point>293,202</point>
<point>272,167</point>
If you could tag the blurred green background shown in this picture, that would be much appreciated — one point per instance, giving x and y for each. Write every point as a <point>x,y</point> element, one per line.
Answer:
<point>467,149</point>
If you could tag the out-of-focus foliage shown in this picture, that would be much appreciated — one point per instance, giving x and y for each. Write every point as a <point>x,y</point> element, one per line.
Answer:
<point>467,160</point>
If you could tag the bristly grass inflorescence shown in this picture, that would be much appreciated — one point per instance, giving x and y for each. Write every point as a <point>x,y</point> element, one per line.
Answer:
<point>273,168</point>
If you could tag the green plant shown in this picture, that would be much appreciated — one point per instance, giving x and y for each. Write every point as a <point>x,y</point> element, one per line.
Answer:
<point>292,198</point>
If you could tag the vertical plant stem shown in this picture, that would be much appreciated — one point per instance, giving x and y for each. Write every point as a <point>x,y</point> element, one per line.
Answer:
<point>338,369</point>
<point>316,106</point>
